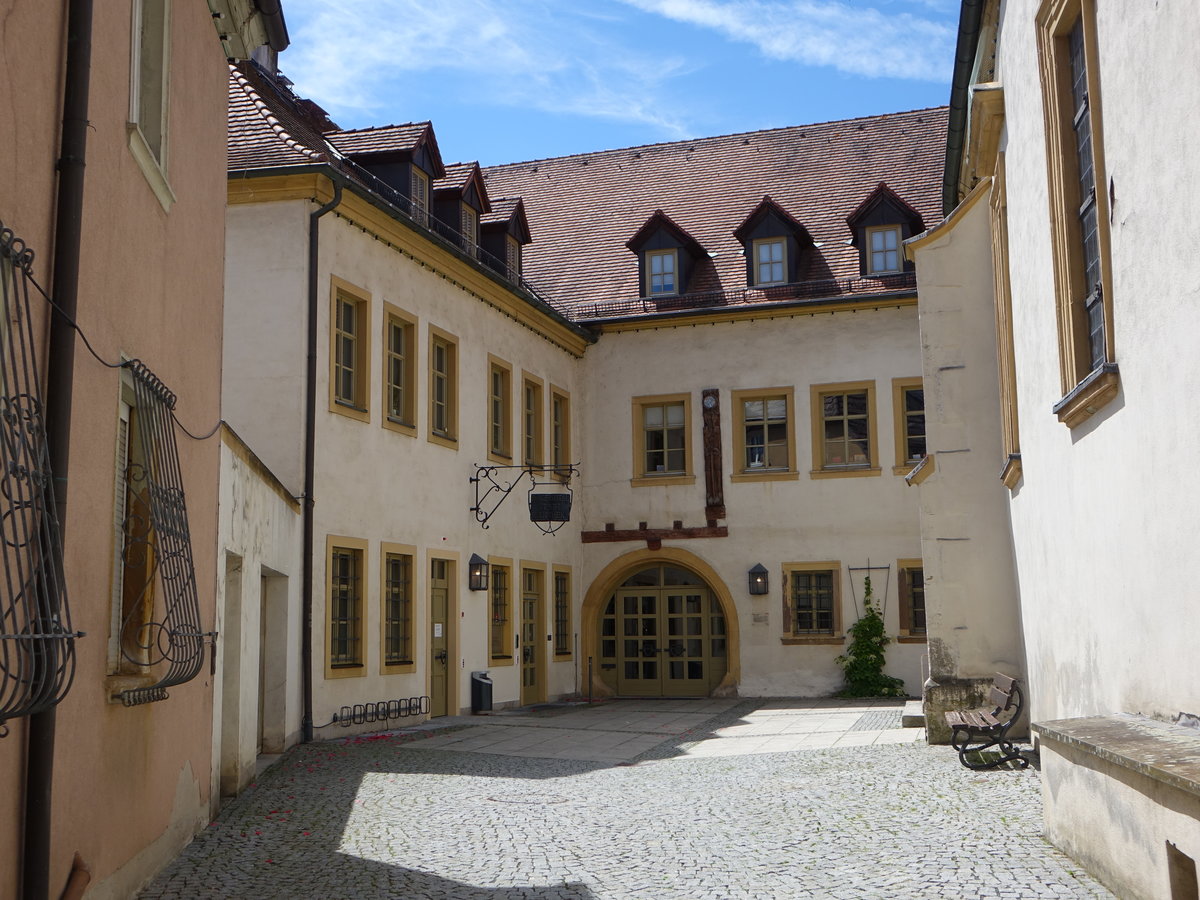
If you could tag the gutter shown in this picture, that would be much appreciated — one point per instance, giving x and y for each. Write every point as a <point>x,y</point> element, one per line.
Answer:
<point>960,99</point>
<point>310,446</point>
<point>339,179</point>
<point>272,17</point>
<point>60,375</point>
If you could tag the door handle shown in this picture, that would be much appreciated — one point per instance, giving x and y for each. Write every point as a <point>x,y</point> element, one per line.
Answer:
<point>441,656</point>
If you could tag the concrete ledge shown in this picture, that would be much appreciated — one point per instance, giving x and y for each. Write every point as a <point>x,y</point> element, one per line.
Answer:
<point>913,715</point>
<point>1169,754</point>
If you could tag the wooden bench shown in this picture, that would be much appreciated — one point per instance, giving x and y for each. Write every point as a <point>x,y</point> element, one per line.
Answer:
<point>978,730</point>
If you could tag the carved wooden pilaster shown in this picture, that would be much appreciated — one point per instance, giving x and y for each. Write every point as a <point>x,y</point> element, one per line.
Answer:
<point>714,489</point>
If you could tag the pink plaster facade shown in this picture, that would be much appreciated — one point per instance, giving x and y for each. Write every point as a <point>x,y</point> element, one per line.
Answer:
<point>131,785</point>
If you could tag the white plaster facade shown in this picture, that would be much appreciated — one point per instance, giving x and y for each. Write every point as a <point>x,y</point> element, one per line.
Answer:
<point>1103,513</point>
<point>256,689</point>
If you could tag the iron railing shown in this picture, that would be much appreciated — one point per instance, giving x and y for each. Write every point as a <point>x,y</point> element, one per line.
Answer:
<point>825,288</point>
<point>37,643</point>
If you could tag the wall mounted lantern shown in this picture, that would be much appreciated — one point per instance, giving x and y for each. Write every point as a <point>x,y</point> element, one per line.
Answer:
<point>477,573</point>
<point>758,579</point>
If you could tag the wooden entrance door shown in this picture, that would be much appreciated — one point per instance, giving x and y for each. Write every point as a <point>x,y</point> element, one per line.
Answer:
<point>663,635</point>
<point>439,637</point>
<point>532,650</point>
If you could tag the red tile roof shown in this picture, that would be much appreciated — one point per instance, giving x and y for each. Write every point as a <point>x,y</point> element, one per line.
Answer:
<point>264,132</point>
<point>382,139</point>
<point>583,209</point>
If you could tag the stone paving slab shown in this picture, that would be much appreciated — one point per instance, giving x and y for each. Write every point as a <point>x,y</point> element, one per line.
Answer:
<point>391,816</point>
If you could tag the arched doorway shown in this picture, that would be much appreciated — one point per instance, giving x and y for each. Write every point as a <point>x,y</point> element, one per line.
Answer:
<point>657,624</point>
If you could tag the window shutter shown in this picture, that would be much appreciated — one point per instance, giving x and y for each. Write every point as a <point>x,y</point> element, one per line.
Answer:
<point>906,600</point>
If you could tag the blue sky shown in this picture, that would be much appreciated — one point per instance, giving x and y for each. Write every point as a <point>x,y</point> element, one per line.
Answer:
<point>511,80</point>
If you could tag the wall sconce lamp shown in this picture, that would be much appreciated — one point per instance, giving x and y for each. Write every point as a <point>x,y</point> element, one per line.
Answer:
<point>758,579</point>
<point>477,573</point>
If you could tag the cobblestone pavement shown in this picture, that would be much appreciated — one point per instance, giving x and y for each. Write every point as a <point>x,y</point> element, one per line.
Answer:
<point>395,816</point>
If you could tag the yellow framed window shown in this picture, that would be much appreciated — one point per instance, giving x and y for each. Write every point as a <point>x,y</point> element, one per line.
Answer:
<point>399,371</point>
<point>764,433</point>
<point>443,387</point>
<point>562,612</point>
<point>499,410</point>
<point>350,351</point>
<point>345,564</point>
<point>770,261</point>
<point>469,225</point>
<point>661,273</point>
<point>560,427</point>
<point>532,417</point>
<point>812,602</point>
<point>883,250</point>
<point>662,447</point>
<point>908,412</point>
<point>397,608</point>
<point>419,195</point>
<point>500,640</point>
<point>844,433</point>
<point>912,597</point>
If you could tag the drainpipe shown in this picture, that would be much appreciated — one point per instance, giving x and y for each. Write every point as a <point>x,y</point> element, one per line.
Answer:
<point>310,443</point>
<point>60,372</point>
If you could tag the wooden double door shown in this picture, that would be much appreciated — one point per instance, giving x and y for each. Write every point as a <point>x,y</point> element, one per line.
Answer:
<point>662,639</point>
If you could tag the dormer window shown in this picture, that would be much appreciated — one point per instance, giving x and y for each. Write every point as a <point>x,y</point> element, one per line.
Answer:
<point>419,195</point>
<point>878,227</point>
<point>502,234</point>
<point>667,257</point>
<point>883,250</point>
<point>770,266</point>
<point>773,242</point>
<point>661,273</point>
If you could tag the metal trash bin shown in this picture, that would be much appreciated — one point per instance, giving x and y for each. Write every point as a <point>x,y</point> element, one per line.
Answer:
<point>481,692</point>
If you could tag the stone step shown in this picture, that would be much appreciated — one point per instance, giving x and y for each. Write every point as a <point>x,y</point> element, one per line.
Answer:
<point>913,715</point>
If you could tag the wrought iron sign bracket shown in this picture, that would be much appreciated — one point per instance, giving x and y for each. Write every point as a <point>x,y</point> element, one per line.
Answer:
<point>548,511</point>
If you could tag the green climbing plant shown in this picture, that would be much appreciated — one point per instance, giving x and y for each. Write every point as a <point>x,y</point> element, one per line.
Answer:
<point>862,663</point>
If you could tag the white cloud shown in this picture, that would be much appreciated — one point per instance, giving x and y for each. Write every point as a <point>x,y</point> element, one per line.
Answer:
<point>858,39</point>
<point>349,55</point>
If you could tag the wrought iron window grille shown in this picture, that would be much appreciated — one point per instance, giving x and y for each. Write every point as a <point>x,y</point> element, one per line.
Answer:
<point>549,511</point>
<point>37,643</point>
<point>170,635</point>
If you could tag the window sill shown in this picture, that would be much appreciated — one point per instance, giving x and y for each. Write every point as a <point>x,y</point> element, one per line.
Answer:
<point>504,459</point>
<point>846,472</point>
<point>912,639</point>
<point>765,475</point>
<point>562,657</point>
<point>443,440</point>
<point>115,685</point>
<point>398,668</point>
<point>500,660</point>
<point>349,410</point>
<point>399,426</point>
<point>1012,471</point>
<point>350,670</point>
<point>1089,396</point>
<point>664,479</point>
<point>906,467</point>
<point>791,639</point>
<point>154,173</point>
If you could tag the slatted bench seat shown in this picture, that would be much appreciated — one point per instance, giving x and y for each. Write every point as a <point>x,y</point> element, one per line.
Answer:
<point>977,730</point>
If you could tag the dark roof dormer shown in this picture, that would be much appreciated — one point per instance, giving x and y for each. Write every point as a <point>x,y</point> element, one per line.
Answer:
<point>667,256</point>
<point>404,157</point>
<point>773,242</point>
<point>878,228</point>
<point>502,234</point>
<point>459,199</point>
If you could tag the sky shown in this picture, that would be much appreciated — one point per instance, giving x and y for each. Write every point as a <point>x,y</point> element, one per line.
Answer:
<point>514,80</point>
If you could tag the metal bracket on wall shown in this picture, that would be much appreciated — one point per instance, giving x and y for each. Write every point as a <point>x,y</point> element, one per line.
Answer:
<point>549,511</point>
